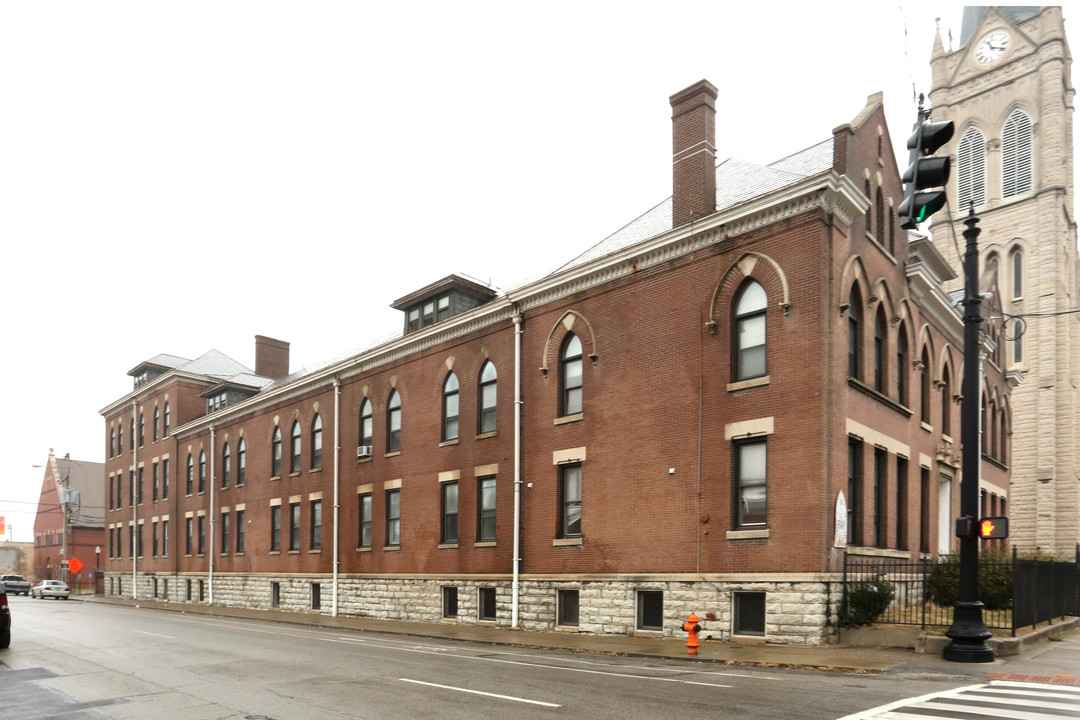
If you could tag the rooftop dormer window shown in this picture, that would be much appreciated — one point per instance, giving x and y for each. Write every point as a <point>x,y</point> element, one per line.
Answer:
<point>216,402</point>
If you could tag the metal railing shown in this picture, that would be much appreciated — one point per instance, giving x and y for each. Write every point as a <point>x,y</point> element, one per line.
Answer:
<point>1016,592</point>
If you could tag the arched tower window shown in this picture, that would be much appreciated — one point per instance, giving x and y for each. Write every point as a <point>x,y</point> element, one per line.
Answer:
<point>902,363</point>
<point>879,216</point>
<point>570,376</point>
<point>1017,268</point>
<point>854,311</point>
<point>881,330</point>
<point>1016,155</point>
<point>971,170</point>
<point>946,401</point>
<point>924,387</point>
<point>749,329</point>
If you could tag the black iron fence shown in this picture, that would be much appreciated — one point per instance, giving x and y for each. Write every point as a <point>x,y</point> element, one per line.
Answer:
<point>1016,592</point>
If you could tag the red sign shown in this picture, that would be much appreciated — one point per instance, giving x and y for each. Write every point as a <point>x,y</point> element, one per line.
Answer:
<point>2,530</point>
<point>75,565</point>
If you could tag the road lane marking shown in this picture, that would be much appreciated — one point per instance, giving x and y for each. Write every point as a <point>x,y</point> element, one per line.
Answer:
<point>170,637</point>
<point>478,692</point>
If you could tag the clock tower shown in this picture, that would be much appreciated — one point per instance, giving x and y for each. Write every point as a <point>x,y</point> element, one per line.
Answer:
<point>1008,89</point>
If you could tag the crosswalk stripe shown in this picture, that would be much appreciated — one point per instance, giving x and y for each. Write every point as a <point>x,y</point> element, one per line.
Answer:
<point>1007,699</point>
<point>991,711</point>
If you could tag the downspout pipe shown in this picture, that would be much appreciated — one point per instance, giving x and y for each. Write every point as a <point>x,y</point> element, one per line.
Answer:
<point>213,493</point>
<point>134,505</point>
<point>516,599</point>
<point>337,491</point>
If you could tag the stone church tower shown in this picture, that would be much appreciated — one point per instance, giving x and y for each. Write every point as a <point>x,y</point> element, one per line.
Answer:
<point>1008,89</point>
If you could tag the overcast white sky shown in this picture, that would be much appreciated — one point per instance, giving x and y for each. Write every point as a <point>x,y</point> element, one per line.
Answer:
<point>181,176</point>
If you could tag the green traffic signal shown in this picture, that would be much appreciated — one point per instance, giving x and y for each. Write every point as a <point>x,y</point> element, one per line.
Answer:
<point>925,172</point>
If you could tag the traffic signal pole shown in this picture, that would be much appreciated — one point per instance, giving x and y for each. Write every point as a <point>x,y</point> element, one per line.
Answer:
<point>968,632</point>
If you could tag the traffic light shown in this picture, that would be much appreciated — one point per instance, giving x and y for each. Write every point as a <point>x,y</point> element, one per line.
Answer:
<point>965,527</point>
<point>992,528</point>
<point>925,171</point>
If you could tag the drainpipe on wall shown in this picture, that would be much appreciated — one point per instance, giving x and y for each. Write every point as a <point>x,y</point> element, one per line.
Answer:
<point>213,487</point>
<point>337,488</point>
<point>134,506</point>
<point>517,467</point>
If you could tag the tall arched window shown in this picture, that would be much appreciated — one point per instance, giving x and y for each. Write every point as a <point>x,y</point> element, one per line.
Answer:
<point>167,423</point>
<point>570,376</point>
<point>275,453</point>
<point>924,387</point>
<point>971,170</point>
<point>226,465</point>
<point>870,209</point>
<point>1017,266</point>
<point>946,401</point>
<point>120,438</point>
<point>487,396</point>
<point>881,330</point>
<point>450,407</point>
<point>112,443</point>
<point>142,429</point>
<point>393,422</point>
<point>879,212</point>
<point>157,423</point>
<point>366,436</point>
<point>749,327</point>
<point>985,429</point>
<point>902,363</point>
<point>854,332</point>
<point>189,486</point>
<point>1016,155</point>
<point>316,442</point>
<point>294,447</point>
<point>241,461</point>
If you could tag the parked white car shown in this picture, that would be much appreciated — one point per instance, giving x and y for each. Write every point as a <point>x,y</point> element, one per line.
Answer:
<point>50,589</point>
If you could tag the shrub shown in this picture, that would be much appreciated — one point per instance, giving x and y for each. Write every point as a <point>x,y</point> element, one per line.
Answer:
<point>995,580</point>
<point>866,601</point>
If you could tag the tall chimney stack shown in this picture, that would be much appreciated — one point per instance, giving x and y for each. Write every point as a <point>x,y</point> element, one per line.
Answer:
<point>271,357</point>
<point>693,126</point>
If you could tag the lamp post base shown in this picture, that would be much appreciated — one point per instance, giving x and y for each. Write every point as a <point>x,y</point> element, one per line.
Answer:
<point>969,635</point>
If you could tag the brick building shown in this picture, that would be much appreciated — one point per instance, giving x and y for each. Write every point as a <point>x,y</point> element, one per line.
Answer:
<point>703,413</point>
<point>70,519</point>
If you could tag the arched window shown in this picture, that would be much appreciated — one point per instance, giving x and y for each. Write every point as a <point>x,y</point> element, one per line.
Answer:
<point>881,330</point>
<point>902,363</point>
<point>450,407</point>
<point>1003,452</point>
<point>202,471</point>
<point>1017,274</point>
<point>226,465</point>
<point>879,213</point>
<point>275,453</point>
<point>189,486</point>
<point>946,401</point>
<point>487,395</point>
<point>971,170</point>
<point>366,436</point>
<point>892,232</point>
<point>854,332</point>
<point>241,461</point>
<point>120,438</point>
<point>985,429</point>
<point>294,447</point>
<point>570,376</point>
<point>142,429</point>
<point>393,422</point>
<point>1016,155</point>
<point>870,209</point>
<point>749,327</point>
<point>316,442</point>
<point>157,423</point>
<point>924,387</point>
<point>112,443</point>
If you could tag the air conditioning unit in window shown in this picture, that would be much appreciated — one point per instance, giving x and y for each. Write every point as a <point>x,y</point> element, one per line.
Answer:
<point>363,451</point>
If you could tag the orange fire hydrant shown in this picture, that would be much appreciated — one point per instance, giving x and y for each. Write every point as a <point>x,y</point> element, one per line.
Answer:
<point>691,626</point>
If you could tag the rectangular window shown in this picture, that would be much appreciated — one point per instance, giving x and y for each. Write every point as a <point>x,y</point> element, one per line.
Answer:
<point>154,538</point>
<point>924,510</point>
<point>316,525</point>
<point>189,595</point>
<point>316,596</point>
<point>141,496</point>
<point>190,526</point>
<point>749,613</point>
<point>202,591</point>
<point>155,479</point>
<point>139,537</point>
<point>275,528</point>
<point>485,511</point>
<point>486,608</point>
<point>567,608</point>
<point>449,513</point>
<point>239,532</point>
<point>393,517</point>
<point>449,603</point>
<point>165,479</point>
<point>901,503</point>
<point>275,594</point>
<point>364,534</point>
<point>881,480</point>
<point>202,534</point>
<point>225,533</point>
<point>294,527</point>
<point>131,485</point>
<point>570,500</point>
<point>164,538</point>
<point>650,610</point>
<point>750,474</point>
<point>854,492</point>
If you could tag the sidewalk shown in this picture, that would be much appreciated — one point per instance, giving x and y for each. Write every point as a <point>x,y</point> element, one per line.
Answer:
<point>1038,657</point>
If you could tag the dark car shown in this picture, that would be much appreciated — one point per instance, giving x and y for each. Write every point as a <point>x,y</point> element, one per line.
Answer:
<point>5,619</point>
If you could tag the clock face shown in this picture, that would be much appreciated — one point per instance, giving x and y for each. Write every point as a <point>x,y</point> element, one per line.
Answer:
<point>992,47</point>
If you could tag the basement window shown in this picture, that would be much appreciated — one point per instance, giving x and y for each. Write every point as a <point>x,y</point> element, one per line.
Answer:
<point>749,613</point>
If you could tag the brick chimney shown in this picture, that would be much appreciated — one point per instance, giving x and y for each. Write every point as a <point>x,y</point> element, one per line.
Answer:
<point>271,357</point>
<point>693,125</point>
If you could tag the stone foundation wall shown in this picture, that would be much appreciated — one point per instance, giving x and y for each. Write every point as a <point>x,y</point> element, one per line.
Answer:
<point>796,613</point>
